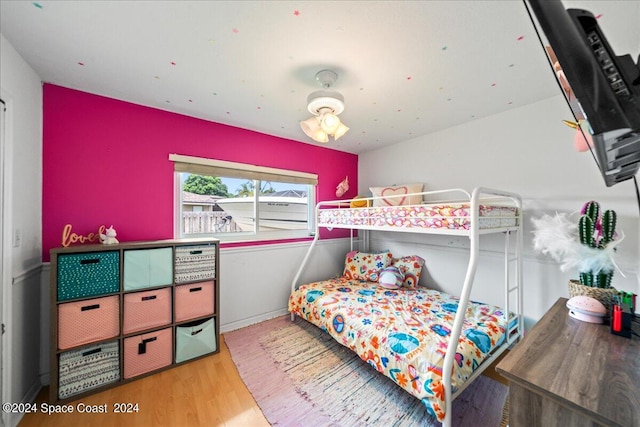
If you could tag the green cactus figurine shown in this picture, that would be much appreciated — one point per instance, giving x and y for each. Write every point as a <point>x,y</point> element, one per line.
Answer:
<point>596,232</point>
<point>608,227</point>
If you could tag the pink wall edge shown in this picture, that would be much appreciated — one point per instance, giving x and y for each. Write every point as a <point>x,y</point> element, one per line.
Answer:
<point>106,162</point>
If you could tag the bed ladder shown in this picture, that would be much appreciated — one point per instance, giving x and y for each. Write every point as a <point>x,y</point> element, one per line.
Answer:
<point>474,253</point>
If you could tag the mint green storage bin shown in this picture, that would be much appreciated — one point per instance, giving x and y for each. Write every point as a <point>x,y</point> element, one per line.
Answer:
<point>88,274</point>
<point>147,268</point>
<point>195,339</point>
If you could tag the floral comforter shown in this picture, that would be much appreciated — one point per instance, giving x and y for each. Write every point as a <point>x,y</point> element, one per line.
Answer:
<point>402,333</point>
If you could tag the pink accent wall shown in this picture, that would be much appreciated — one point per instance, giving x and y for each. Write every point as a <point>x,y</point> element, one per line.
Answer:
<point>106,162</point>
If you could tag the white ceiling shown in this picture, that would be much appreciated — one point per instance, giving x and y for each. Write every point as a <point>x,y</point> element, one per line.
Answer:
<point>406,68</point>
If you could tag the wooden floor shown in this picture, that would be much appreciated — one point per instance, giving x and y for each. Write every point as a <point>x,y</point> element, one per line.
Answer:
<point>205,392</point>
<point>493,374</point>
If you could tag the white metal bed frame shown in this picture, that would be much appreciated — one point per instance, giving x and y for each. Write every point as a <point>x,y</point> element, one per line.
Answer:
<point>512,255</point>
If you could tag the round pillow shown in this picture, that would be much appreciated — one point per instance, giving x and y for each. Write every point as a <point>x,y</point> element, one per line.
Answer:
<point>390,278</point>
<point>355,203</point>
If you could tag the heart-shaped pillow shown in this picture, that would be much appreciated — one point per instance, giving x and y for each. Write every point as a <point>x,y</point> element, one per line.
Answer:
<point>396,193</point>
<point>404,195</point>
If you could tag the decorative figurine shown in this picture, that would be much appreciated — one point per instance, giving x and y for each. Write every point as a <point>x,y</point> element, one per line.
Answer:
<point>342,187</point>
<point>109,236</point>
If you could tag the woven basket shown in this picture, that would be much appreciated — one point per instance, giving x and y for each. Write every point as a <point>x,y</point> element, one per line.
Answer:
<point>604,295</point>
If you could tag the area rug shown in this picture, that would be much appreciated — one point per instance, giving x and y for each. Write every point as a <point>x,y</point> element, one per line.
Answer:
<point>300,376</point>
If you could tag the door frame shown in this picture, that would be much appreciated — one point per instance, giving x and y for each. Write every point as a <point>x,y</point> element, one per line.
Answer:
<point>6,252</point>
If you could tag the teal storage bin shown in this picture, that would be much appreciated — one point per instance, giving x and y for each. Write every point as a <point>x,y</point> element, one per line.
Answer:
<point>88,274</point>
<point>147,268</point>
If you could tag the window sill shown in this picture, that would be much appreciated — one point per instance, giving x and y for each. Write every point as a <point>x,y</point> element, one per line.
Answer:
<point>237,244</point>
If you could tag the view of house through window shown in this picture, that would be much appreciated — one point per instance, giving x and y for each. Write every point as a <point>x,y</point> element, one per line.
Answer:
<point>241,202</point>
<point>226,207</point>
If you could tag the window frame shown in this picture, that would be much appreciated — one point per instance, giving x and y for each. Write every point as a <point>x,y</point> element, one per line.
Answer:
<point>201,166</point>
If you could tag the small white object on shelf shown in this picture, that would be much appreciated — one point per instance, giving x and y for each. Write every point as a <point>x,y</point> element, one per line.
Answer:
<point>109,236</point>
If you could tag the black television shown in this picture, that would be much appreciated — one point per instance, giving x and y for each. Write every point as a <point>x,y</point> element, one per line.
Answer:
<point>601,88</point>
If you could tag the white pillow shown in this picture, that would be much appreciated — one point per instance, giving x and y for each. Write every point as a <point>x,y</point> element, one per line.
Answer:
<point>397,190</point>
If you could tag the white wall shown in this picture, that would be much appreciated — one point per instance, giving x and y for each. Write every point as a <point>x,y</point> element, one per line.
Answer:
<point>22,91</point>
<point>255,281</point>
<point>525,150</point>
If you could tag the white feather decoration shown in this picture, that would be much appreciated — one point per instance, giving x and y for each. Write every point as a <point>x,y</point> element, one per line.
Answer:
<point>557,236</point>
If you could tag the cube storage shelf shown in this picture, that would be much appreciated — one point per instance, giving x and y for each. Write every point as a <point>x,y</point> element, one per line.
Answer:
<point>120,312</point>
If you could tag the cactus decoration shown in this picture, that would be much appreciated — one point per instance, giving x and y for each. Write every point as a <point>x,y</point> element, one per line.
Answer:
<point>587,245</point>
<point>596,233</point>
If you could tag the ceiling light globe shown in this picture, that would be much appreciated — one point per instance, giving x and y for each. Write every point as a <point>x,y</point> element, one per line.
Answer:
<point>330,123</point>
<point>342,129</point>
<point>310,126</point>
<point>320,136</point>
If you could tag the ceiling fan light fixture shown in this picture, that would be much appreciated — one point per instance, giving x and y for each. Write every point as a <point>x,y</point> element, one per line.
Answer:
<point>325,105</point>
<point>325,99</point>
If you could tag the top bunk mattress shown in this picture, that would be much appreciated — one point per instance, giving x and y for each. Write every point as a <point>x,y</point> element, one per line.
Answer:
<point>455,216</point>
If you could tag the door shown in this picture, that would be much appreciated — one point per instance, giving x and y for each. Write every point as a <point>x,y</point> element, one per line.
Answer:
<point>3,266</point>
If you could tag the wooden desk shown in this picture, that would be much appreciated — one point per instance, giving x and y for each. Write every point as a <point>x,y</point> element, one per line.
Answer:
<point>571,373</point>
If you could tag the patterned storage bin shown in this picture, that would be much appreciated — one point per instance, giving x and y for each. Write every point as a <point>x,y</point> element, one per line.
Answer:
<point>88,368</point>
<point>82,322</point>
<point>194,263</point>
<point>88,274</point>
<point>195,339</point>
<point>147,268</point>
<point>145,310</point>
<point>147,352</point>
<point>193,300</point>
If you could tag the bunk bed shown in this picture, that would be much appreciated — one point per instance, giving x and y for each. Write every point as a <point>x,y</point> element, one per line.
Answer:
<point>410,333</point>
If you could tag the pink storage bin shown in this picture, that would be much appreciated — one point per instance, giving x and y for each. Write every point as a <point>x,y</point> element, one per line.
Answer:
<point>147,352</point>
<point>193,300</point>
<point>145,310</point>
<point>82,322</point>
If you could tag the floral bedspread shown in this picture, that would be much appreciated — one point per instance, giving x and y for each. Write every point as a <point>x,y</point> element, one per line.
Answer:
<point>402,333</point>
<point>452,217</point>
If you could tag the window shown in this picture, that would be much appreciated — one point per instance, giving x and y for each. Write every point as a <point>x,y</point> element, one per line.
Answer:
<point>239,202</point>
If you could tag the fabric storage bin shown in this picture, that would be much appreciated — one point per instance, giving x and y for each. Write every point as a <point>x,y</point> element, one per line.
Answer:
<point>147,352</point>
<point>195,263</point>
<point>147,268</point>
<point>193,300</point>
<point>195,339</point>
<point>88,274</point>
<point>88,368</point>
<point>82,322</point>
<point>146,309</point>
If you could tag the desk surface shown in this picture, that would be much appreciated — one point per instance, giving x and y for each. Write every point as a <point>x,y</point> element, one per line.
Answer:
<point>579,365</point>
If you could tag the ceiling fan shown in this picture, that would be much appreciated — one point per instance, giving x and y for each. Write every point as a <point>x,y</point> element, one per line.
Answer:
<point>325,105</point>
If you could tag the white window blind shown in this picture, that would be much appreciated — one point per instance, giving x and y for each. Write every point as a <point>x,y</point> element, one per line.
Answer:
<point>212,167</point>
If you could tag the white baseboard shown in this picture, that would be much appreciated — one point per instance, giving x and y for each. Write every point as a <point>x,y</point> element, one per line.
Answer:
<point>29,397</point>
<point>228,327</point>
